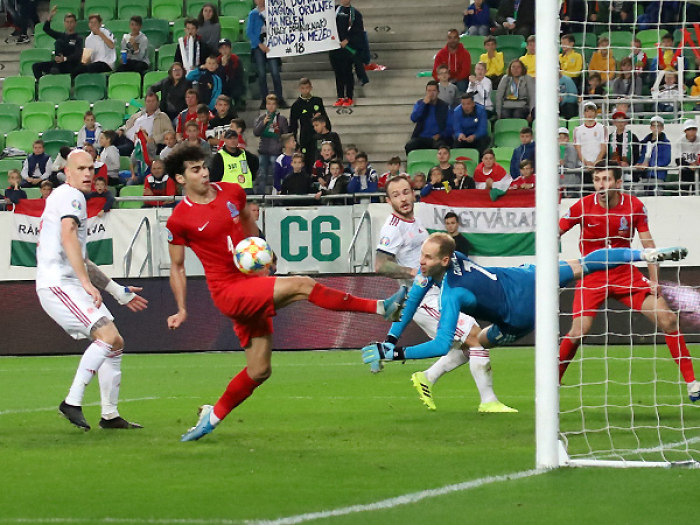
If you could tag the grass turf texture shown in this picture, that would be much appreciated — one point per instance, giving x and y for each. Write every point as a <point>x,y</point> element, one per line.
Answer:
<point>322,433</point>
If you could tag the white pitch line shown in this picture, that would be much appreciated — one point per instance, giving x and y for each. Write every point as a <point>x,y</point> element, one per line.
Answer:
<point>95,404</point>
<point>124,521</point>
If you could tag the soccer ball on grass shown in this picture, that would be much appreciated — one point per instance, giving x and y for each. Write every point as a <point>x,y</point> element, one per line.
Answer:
<point>252,255</point>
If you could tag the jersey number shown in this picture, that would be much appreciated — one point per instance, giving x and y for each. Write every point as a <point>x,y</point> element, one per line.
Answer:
<point>468,265</point>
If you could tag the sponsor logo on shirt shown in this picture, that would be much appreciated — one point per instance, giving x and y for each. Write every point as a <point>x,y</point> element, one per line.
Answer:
<point>232,208</point>
<point>624,225</point>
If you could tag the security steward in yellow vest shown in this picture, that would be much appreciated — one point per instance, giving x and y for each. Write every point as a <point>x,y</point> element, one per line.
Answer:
<point>233,164</point>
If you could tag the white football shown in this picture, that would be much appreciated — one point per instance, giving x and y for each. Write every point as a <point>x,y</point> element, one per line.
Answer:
<point>252,255</point>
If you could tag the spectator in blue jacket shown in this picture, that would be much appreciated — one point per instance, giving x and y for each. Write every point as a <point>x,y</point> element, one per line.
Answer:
<point>568,97</point>
<point>477,19</point>
<point>433,120</point>
<point>364,179</point>
<point>470,124</point>
<point>526,151</point>
<point>654,156</point>
<point>256,31</point>
<point>208,80</point>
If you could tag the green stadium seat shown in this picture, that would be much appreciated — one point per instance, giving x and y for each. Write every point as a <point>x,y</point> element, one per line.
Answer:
<point>510,41</point>
<point>41,39</point>
<point>55,139</point>
<point>124,163</point>
<point>129,8</point>
<point>38,116</point>
<point>473,42</point>
<point>510,124</point>
<point>151,78</point>
<point>33,193</point>
<point>135,108</point>
<point>503,156</point>
<point>119,28</point>
<point>619,38</point>
<point>236,8</point>
<point>18,90</point>
<point>110,113</point>
<point>475,55</point>
<point>194,7</point>
<point>423,167</point>
<point>90,86</point>
<point>166,9</point>
<point>178,29</point>
<point>22,139</point>
<point>587,39</point>
<point>82,28</point>
<point>107,9</point>
<point>649,37</point>
<point>29,57</point>
<point>131,191</point>
<point>54,88</point>
<point>230,28</point>
<point>241,48</point>
<point>470,153</point>
<point>65,7</point>
<point>509,139</point>
<point>574,122</point>
<point>124,86</point>
<point>5,166</point>
<point>157,31</point>
<point>510,54</point>
<point>166,56</point>
<point>9,118</point>
<point>422,155</point>
<point>70,114</point>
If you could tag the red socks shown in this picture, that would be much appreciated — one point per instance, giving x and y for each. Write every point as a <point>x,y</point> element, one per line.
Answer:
<point>680,354</point>
<point>567,351</point>
<point>332,299</point>
<point>238,390</point>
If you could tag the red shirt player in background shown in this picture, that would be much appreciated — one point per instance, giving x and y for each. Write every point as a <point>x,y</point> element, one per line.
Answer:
<point>608,219</point>
<point>212,219</point>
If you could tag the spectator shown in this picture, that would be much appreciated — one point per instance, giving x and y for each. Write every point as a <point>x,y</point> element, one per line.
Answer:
<point>159,184</point>
<point>338,181</point>
<point>135,48</point>
<point>221,121</point>
<point>99,55</point>
<point>436,183</point>
<point>433,120</point>
<point>209,29</point>
<point>418,182</point>
<point>46,188</point>
<point>170,141</point>
<point>191,51</point>
<point>568,161</point>
<point>477,19</point>
<point>36,167</point>
<point>256,31</point>
<point>493,59</point>
<point>193,138</point>
<point>23,13</point>
<point>515,17</point>
<point>456,58</point>
<point>449,93</point>
<point>526,151</point>
<point>671,92</point>
<point>481,86</point>
<point>638,56</point>
<point>269,127</point>
<point>351,159</point>
<point>208,80</point>
<point>239,126</point>
<point>525,179</point>
<point>203,117</point>
<point>304,109</point>
<point>462,245</point>
<point>470,124</point>
<point>151,120</point>
<point>90,131</point>
<point>516,93</point>
<point>101,190</point>
<point>173,90</point>
<point>110,155</point>
<point>321,168</point>
<point>462,180</point>
<point>602,61</point>
<point>623,145</point>
<point>14,192</point>
<point>488,172</point>
<point>654,157</point>
<point>351,33</point>
<point>570,62</point>
<point>443,159</point>
<point>665,59</point>
<point>323,134</point>
<point>627,85</point>
<point>574,13</point>
<point>68,47</point>
<point>283,163</point>
<point>689,157</point>
<point>364,180</point>
<point>568,97</point>
<point>58,176</point>
<point>394,166</point>
<point>594,87</point>
<point>298,182</point>
<point>234,164</point>
<point>231,72</point>
<point>100,167</point>
<point>528,59</point>
<point>621,15</point>
<point>589,140</point>
<point>187,114</point>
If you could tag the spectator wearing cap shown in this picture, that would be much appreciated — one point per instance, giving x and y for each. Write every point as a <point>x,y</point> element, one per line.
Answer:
<point>568,162</point>
<point>470,124</point>
<point>231,72</point>
<point>655,156</point>
<point>568,97</point>
<point>623,145</point>
<point>589,140</point>
<point>233,164</point>
<point>689,157</point>
<point>433,120</point>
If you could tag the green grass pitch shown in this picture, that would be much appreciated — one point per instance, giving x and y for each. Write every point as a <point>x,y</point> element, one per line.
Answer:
<point>321,434</point>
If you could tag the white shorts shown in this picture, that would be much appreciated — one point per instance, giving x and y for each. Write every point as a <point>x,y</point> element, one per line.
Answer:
<point>72,308</point>
<point>428,316</point>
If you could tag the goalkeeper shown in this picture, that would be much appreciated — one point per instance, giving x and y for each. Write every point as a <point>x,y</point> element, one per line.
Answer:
<point>502,296</point>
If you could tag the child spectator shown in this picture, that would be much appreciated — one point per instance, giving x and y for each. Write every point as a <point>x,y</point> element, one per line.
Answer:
<point>477,19</point>
<point>304,109</point>
<point>689,156</point>
<point>594,87</point>
<point>46,188</point>
<point>488,173</point>
<point>101,190</point>
<point>568,161</point>
<point>449,93</point>
<point>57,175</point>
<point>670,91</point>
<point>14,192</point>
<point>602,61</point>
<point>110,155</point>
<point>269,127</point>
<point>100,167</point>
<point>443,162</point>
<point>654,157</point>
<point>526,151</point>
<point>320,124</point>
<point>37,166</point>
<point>338,181</point>
<point>364,179</point>
<point>481,86</point>
<point>528,59</point>
<point>231,72</point>
<point>665,61</point>
<point>90,131</point>
<point>221,121</point>
<point>321,169</point>
<point>436,183</point>
<point>135,48</point>
<point>351,159</point>
<point>623,145</point>
<point>170,142</point>
<point>589,138</point>
<point>627,85</point>
<point>239,126</point>
<point>570,62</point>
<point>191,51</point>
<point>638,56</point>
<point>187,114</point>
<point>419,180</point>
<point>283,163</point>
<point>526,177</point>
<point>192,138</point>
<point>209,82</point>
<point>462,180</point>
<point>298,182</point>
<point>394,166</point>
<point>495,65</point>
<point>568,97</point>
<point>159,184</point>
<point>202,120</point>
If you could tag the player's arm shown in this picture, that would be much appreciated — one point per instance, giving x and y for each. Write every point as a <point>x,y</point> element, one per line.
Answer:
<point>74,254</point>
<point>648,242</point>
<point>449,315</point>
<point>420,287</point>
<point>178,284</point>
<point>385,264</point>
<point>125,295</point>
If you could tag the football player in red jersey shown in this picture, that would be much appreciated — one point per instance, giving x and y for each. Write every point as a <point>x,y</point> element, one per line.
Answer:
<point>212,219</point>
<point>608,219</point>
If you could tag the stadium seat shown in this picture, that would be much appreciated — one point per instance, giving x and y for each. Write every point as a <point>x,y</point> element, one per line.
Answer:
<point>124,86</point>
<point>619,38</point>
<point>119,28</point>
<point>90,86</point>
<point>54,88</point>
<point>110,113</point>
<point>474,42</point>
<point>41,39</point>
<point>469,153</point>
<point>166,56</point>
<point>423,167</point>
<point>22,139</point>
<point>510,124</point>
<point>18,90</point>
<point>157,31</point>
<point>131,191</point>
<point>33,193</point>
<point>166,9</point>
<point>422,155</point>
<point>55,139</point>
<point>503,156</point>
<point>509,139</point>
<point>38,116</point>
<point>151,78</point>
<point>134,106</point>
<point>9,118</point>
<point>510,54</point>
<point>194,7</point>
<point>237,8</point>
<point>510,41</point>
<point>28,57</point>
<point>587,39</point>
<point>5,166</point>
<point>65,7</point>
<point>574,122</point>
<point>70,114</point>
<point>129,8</point>
<point>241,48</point>
<point>230,28</point>
<point>475,55</point>
<point>107,9</point>
<point>178,29</point>
<point>649,37</point>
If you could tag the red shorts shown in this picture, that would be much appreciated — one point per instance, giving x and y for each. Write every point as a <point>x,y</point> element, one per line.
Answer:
<point>624,283</point>
<point>250,305</point>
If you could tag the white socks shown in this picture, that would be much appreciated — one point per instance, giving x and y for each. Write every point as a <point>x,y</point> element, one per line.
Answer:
<point>110,377</point>
<point>90,363</point>
<point>479,364</point>
<point>453,359</point>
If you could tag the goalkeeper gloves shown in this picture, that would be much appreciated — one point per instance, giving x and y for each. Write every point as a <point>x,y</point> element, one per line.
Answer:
<point>375,352</point>
<point>120,293</point>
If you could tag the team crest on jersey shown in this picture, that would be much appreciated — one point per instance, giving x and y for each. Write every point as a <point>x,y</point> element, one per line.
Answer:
<point>421,280</point>
<point>384,241</point>
<point>170,235</point>
<point>76,204</point>
<point>567,215</point>
<point>232,208</point>
<point>624,225</point>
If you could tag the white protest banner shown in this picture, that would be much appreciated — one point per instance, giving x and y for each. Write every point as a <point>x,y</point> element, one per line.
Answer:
<point>300,27</point>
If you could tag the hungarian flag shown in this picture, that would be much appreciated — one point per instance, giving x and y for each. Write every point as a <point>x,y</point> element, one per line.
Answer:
<point>25,233</point>
<point>141,152</point>
<point>502,228</point>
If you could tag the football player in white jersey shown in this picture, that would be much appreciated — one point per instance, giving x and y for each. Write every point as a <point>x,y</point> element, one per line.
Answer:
<point>398,256</point>
<point>67,284</point>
